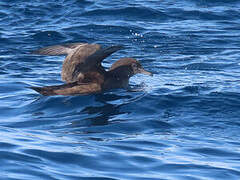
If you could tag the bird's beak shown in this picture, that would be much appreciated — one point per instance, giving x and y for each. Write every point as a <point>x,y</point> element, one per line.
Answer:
<point>143,71</point>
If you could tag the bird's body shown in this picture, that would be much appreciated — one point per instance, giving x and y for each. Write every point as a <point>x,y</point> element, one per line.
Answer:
<point>83,72</point>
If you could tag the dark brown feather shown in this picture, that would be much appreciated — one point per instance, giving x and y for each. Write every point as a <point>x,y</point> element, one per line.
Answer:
<point>69,89</point>
<point>56,50</point>
<point>84,59</point>
<point>81,58</point>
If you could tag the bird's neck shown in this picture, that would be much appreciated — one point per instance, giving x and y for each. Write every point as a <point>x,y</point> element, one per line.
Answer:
<point>122,72</point>
<point>115,79</point>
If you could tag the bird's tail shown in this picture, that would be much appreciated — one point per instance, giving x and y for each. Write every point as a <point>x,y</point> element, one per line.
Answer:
<point>46,91</point>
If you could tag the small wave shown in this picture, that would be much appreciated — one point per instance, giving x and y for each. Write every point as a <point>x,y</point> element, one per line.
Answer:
<point>202,14</point>
<point>196,89</point>
<point>205,66</point>
<point>215,152</point>
<point>213,3</point>
<point>48,36</point>
<point>135,13</point>
<point>3,15</point>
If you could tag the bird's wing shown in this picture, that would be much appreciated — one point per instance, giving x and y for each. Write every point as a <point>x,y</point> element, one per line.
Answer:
<point>88,52</point>
<point>75,88</point>
<point>81,58</point>
<point>81,52</point>
<point>56,50</point>
<point>84,59</point>
<point>101,54</point>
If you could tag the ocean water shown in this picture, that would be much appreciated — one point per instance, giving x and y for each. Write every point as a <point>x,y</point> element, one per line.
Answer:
<point>183,125</point>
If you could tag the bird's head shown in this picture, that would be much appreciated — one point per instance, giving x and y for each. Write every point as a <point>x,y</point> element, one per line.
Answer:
<point>128,67</point>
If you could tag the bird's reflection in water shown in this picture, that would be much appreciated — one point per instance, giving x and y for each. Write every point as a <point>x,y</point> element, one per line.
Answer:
<point>110,107</point>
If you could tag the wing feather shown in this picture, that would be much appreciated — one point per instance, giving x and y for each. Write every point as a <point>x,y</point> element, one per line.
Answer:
<point>101,54</point>
<point>84,59</point>
<point>56,50</point>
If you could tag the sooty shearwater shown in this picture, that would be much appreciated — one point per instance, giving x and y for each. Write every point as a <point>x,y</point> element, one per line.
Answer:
<point>83,72</point>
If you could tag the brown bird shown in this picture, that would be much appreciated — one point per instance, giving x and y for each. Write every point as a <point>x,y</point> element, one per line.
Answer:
<point>83,72</point>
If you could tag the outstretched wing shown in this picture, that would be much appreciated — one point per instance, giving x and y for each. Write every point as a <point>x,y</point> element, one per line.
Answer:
<point>56,50</point>
<point>81,58</point>
<point>75,88</point>
<point>101,54</point>
<point>81,50</point>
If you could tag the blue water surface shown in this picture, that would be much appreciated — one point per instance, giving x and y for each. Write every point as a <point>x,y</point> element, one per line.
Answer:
<point>183,125</point>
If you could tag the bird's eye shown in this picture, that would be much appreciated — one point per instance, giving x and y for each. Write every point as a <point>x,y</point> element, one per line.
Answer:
<point>134,66</point>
